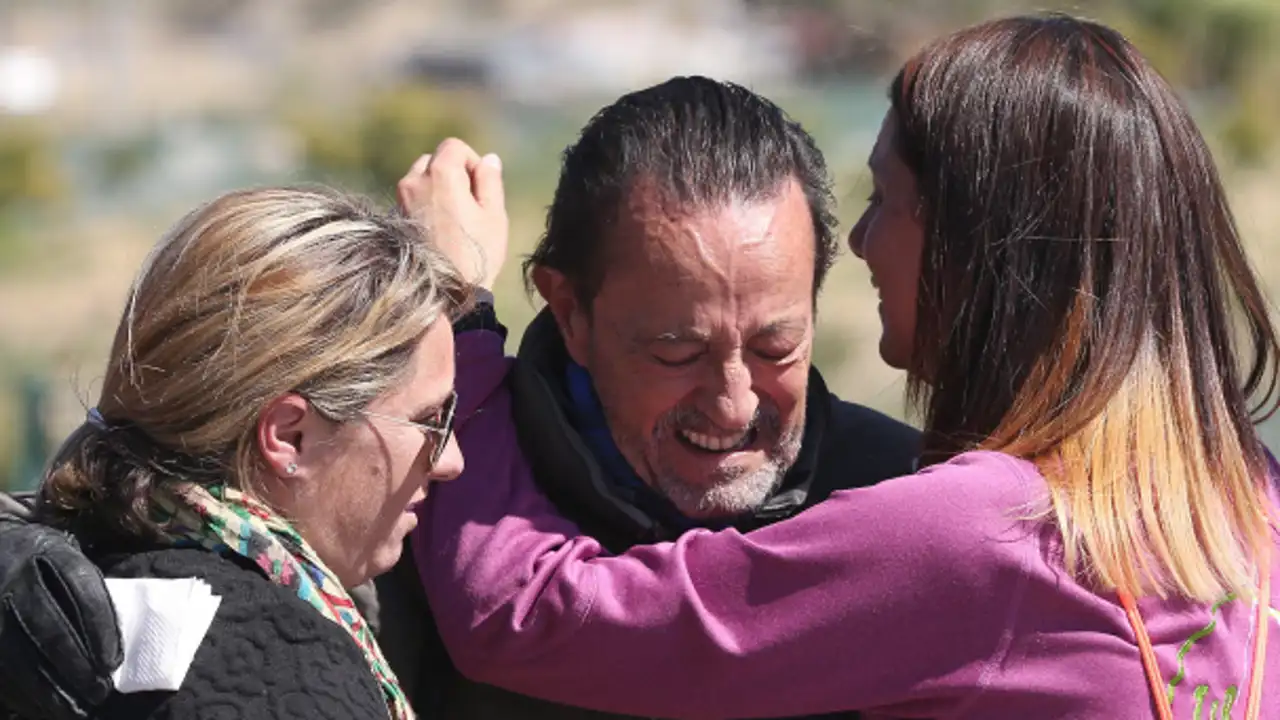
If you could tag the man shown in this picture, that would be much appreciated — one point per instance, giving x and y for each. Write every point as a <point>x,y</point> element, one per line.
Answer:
<point>667,384</point>
<point>685,248</point>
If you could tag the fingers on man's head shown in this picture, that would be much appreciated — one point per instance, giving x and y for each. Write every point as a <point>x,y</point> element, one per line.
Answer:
<point>455,161</point>
<point>453,156</point>
<point>486,182</point>
<point>419,166</point>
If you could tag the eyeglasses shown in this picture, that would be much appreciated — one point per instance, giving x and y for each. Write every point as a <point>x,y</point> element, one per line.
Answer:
<point>439,433</point>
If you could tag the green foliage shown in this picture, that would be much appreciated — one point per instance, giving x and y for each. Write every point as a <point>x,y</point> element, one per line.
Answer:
<point>31,179</point>
<point>32,448</point>
<point>1247,133</point>
<point>29,169</point>
<point>1222,49</point>
<point>125,160</point>
<point>1223,53</point>
<point>372,149</point>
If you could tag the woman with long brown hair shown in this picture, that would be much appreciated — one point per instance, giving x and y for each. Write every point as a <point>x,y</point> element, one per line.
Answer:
<point>1091,534</point>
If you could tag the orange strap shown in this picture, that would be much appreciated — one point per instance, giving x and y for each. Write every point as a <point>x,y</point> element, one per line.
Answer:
<point>1164,711</point>
<point>1159,693</point>
<point>1254,709</point>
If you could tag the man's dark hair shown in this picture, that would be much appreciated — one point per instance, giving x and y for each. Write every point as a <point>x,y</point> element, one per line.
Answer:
<point>703,143</point>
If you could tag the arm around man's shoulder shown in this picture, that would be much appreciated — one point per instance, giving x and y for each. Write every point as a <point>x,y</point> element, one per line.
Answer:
<point>895,597</point>
<point>267,655</point>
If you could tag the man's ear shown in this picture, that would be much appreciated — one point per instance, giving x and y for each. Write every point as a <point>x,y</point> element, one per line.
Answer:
<point>571,317</point>
<point>284,432</point>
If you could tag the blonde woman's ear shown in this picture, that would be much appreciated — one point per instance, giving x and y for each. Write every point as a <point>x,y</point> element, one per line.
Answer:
<point>282,432</point>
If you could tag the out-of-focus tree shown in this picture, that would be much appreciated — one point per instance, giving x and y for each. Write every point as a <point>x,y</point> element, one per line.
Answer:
<point>32,449</point>
<point>30,175</point>
<point>1222,53</point>
<point>123,160</point>
<point>371,148</point>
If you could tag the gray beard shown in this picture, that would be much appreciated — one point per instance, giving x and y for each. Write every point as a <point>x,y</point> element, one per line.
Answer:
<point>730,494</point>
<point>734,493</point>
<point>730,497</point>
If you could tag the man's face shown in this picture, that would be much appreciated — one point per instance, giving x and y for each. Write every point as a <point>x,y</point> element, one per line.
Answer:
<point>699,345</point>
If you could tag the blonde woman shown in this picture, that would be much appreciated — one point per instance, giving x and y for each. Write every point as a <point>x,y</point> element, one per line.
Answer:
<point>278,398</point>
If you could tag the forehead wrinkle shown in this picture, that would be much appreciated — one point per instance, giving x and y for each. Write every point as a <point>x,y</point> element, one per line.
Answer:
<point>740,226</point>
<point>720,249</point>
<point>726,256</point>
<point>717,269</point>
<point>669,225</point>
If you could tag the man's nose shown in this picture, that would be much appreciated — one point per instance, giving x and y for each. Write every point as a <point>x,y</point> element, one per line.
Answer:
<point>450,464</point>
<point>734,402</point>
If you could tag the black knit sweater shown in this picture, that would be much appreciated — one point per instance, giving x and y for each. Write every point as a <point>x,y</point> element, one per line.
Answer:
<point>267,655</point>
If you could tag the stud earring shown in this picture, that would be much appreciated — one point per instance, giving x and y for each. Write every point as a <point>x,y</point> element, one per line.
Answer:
<point>291,468</point>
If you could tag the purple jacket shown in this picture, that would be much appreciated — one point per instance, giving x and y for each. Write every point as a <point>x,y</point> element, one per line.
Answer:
<point>925,596</point>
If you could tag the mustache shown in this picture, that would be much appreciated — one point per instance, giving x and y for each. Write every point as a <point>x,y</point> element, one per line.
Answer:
<point>766,421</point>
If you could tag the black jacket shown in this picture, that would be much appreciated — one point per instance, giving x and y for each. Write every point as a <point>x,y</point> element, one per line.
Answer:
<point>267,656</point>
<point>845,446</point>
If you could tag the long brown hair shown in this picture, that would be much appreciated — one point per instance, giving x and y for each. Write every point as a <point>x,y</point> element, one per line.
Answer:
<point>1085,301</point>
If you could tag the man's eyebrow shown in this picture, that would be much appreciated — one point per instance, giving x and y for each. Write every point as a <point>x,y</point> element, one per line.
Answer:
<point>782,326</point>
<point>677,336</point>
<point>690,335</point>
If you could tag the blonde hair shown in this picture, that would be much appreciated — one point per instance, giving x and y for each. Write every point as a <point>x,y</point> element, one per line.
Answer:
<point>256,294</point>
<point>1144,501</point>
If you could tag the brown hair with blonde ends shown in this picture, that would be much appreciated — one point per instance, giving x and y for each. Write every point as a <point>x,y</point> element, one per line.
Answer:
<point>256,294</point>
<point>1085,301</point>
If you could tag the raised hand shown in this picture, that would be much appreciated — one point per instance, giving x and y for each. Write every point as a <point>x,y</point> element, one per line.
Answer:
<point>458,196</point>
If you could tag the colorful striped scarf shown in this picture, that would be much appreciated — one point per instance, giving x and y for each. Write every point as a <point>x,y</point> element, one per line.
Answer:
<point>225,520</point>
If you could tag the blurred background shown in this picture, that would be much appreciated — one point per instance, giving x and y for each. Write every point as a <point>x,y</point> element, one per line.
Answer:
<point>117,116</point>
